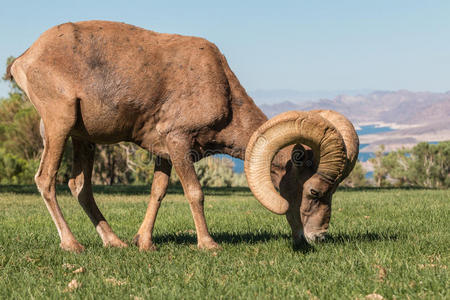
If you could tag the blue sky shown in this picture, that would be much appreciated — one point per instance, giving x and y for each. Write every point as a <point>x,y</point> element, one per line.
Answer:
<point>297,45</point>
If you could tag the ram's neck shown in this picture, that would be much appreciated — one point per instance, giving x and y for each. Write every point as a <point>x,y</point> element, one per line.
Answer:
<point>245,119</point>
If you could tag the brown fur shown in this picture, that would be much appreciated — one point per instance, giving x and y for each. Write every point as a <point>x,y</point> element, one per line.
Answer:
<point>106,82</point>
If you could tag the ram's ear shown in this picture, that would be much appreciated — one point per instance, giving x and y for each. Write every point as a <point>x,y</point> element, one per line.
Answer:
<point>302,157</point>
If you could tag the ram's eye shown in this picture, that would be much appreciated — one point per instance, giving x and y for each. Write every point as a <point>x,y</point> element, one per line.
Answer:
<point>315,193</point>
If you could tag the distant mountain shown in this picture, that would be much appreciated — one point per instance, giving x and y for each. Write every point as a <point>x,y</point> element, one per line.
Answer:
<point>285,95</point>
<point>414,116</point>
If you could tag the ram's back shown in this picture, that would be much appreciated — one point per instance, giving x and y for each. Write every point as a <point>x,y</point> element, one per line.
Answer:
<point>126,77</point>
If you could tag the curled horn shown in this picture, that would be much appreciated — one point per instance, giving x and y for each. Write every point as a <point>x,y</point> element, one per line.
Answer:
<point>348,132</point>
<point>293,127</point>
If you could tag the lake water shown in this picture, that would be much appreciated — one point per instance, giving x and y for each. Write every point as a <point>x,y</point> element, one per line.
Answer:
<point>368,129</point>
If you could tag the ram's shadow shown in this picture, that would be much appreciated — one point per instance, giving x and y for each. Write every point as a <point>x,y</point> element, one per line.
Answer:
<point>303,247</point>
<point>221,238</point>
<point>254,238</point>
<point>224,238</point>
<point>344,238</point>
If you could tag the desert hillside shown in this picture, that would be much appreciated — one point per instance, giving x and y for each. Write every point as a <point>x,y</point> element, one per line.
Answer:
<point>413,116</point>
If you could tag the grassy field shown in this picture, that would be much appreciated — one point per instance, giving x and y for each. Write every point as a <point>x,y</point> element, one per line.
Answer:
<point>391,242</point>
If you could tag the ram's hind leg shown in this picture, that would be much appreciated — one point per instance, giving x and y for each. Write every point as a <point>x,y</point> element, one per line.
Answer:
<point>81,187</point>
<point>57,128</point>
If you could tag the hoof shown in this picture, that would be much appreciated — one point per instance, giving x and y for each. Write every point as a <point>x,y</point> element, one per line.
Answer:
<point>116,243</point>
<point>136,240</point>
<point>144,246</point>
<point>72,246</point>
<point>209,245</point>
<point>149,247</point>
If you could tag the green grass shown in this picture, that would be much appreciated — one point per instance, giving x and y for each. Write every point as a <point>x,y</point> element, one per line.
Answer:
<point>391,242</point>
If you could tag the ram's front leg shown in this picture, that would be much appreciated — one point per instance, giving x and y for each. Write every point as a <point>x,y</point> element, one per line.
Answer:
<point>294,220</point>
<point>179,151</point>
<point>143,238</point>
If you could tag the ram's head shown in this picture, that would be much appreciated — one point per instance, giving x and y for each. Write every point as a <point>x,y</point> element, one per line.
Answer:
<point>324,153</point>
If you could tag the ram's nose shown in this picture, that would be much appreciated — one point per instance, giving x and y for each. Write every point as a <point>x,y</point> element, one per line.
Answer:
<point>315,237</point>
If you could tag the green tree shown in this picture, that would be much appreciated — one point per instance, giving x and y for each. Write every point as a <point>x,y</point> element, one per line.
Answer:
<point>20,141</point>
<point>357,177</point>
<point>123,163</point>
<point>215,172</point>
<point>429,165</point>
<point>425,165</point>
<point>380,172</point>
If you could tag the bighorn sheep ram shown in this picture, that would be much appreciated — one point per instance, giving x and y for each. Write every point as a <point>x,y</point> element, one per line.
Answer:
<point>176,96</point>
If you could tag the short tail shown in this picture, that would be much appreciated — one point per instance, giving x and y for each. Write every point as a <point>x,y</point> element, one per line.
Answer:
<point>8,75</point>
